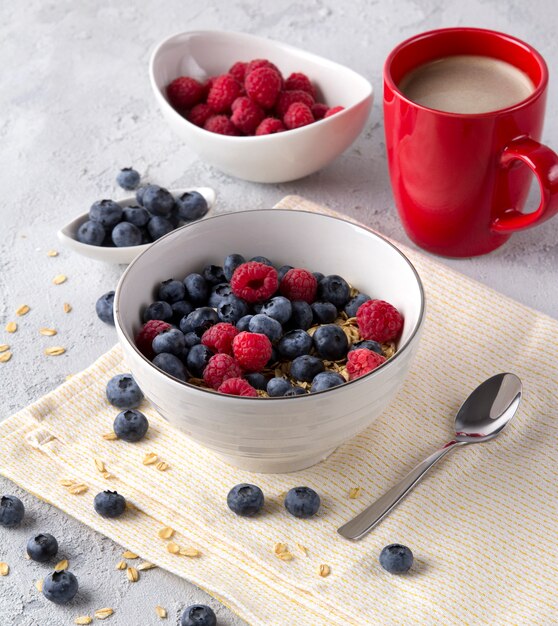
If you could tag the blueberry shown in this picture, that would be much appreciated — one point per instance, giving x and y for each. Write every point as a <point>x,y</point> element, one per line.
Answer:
<point>294,343</point>
<point>396,559</point>
<point>104,308</point>
<point>11,511</point>
<point>199,321</point>
<point>279,308</point>
<point>109,504</point>
<point>274,357</point>
<point>282,271</point>
<point>191,206</point>
<point>257,380</point>
<point>106,212</point>
<point>172,290</point>
<point>191,340</point>
<point>245,499</point>
<point>301,316</point>
<point>158,311</point>
<point>130,425</point>
<point>197,359</point>
<point>180,309</point>
<point>305,367</point>
<point>324,312</point>
<point>139,194</point>
<point>197,289</point>
<point>326,380</point>
<point>91,233</point>
<point>244,323</point>
<point>231,309</point>
<point>158,227</point>
<point>128,178</point>
<point>213,274</point>
<point>231,263</point>
<point>278,387</point>
<point>136,215</point>
<point>123,392</point>
<point>261,323</point>
<point>257,307</point>
<point>170,340</point>
<point>220,291</point>
<point>157,200</point>
<point>125,235</point>
<point>302,502</point>
<point>331,342</point>
<point>60,587</point>
<point>334,289</point>
<point>368,344</point>
<point>42,547</point>
<point>295,391</point>
<point>318,276</point>
<point>262,259</point>
<point>170,364</point>
<point>352,305</point>
<point>198,615</point>
<point>145,236</point>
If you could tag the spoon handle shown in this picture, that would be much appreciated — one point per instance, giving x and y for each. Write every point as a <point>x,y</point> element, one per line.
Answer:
<point>364,522</point>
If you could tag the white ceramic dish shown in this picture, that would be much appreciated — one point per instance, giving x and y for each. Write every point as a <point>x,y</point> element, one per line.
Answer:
<point>272,158</point>
<point>67,234</point>
<point>273,435</point>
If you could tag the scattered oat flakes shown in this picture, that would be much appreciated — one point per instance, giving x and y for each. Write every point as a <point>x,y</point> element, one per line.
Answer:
<point>161,612</point>
<point>4,569</point>
<point>150,458</point>
<point>128,554</point>
<point>66,482</point>
<point>4,347</point>
<point>354,493</point>
<point>48,332</point>
<point>55,351</point>
<point>143,567</point>
<point>83,619</point>
<point>132,574</point>
<point>11,327</point>
<point>107,475</point>
<point>121,565</point>
<point>39,584</point>
<point>103,613</point>
<point>324,570</point>
<point>52,253</point>
<point>67,307</point>
<point>59,279</point>
<point>282,552</point>
<point>166,533</point>
<point>173,548</point>
<point>191,552</point>
<point>100,465</point>
<point>23,310</point>
<point>110,436</point>
<point>5,357</point>
<point>302,548</point>
<point>78,489</point>
<point>61,565</point>
<point>162,466</point>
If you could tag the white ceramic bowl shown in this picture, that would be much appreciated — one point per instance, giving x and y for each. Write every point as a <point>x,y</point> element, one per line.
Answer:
<point>67,235</point>
<point>273,158</point>
<point>276,434</point>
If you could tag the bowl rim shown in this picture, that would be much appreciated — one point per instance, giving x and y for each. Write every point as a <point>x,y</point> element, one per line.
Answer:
<point>384,366</point>
<point>253,138</point>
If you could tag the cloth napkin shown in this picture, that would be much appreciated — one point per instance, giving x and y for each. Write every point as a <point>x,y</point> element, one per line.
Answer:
<point>483,525</point>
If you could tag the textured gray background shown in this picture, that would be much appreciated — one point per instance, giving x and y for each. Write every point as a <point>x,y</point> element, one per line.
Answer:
<point>76,105</point>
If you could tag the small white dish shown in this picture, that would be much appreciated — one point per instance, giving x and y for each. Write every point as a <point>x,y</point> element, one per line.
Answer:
<point>124,256</point>
<point>268,158</point>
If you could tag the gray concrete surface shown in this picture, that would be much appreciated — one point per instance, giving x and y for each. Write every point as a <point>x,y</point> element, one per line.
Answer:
<point>76,105</point>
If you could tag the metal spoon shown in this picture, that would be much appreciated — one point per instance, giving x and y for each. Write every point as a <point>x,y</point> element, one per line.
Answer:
<point>482,417</point>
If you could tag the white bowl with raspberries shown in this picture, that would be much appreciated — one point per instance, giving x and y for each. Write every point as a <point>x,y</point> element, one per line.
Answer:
<point>238,103</point>
<point>272,434</point>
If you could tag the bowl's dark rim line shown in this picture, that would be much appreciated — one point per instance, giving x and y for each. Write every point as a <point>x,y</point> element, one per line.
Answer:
<point>360,379</point>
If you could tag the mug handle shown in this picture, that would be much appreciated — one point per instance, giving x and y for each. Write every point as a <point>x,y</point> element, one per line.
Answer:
<point>544,163</point>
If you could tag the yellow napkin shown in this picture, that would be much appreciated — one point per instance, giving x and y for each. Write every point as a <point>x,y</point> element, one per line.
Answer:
<point>482,526</point>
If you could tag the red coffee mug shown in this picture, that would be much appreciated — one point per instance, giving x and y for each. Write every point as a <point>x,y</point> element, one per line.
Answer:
<point>458,179</point>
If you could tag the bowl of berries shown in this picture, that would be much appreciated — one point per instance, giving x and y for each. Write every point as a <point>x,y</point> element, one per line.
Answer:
<point>255,108</point>
<point>270,361</point>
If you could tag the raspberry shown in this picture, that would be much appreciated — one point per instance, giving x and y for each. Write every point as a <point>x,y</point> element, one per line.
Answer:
<point>147,333</point>
<point>263,86</point>
<point>379,321</point>
<point>299,284</point>
<point>219,338</point>
<point>270,126</point>
<point>246,115</point>
<point>319,110</point>
<point>298,80</point>
<point>221,125</point>
<point>184,92</point>
<point>298,115</point>
<point>362,361</point>
<point>333,111</point>
<point>252,350</point>
<point>254,282</point>
<point>200,114</point>
<point>219,368</point>
<point>223,93</point>
<point>207,86</point>
<point>256,64</point>
<point>238,70</point>
<point>286,98</point>
<point>238,387</point>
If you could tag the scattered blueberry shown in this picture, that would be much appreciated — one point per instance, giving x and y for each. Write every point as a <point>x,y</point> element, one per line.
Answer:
<point>128,178</point>
<point>42,548</point>
<point>334,289</point>
<point>324,312</point>
<point>302,315</point>
<point>257,380</point>
<point>197,359</point>
<point>159,226</point>
<point>139,194</point>
<point>231,309</point>
<point>302,502</point>
<point>368,344</point>
<point>170,364</point>
<point>279,308</point>
<point>198,615</point>
<point>91,233</point>
<point>191,340</point>
<point>157,200</point>
<point>294,343</point>
<point>318,276</point>
<point>136,215</point>
<point>180,309</point>
<point>197,289</point>
<point>170,340</point>
<point>396,559</point>
<point>191,206</point>
<point>231,263</point>
<point>159,310</point>
<point>305,367</point>
<point>278,387</point>
<point>213,274</point>
<point>244,323</point>
<point>245,499</point>
<point>172,291</point>
<point>261,323</point>
<point>109,504</point>
<point>295,391</point>
<point>106,212</point>
<point>282,271</point>
<point>326,380</point>
<point>352,305</point>
<point>11,511</point>
<point>60,587</point>
<point>199,320</point>
<point>262,259</point>
<point>123,392</point>
<point>218,293</point>
<point>126,234</point>
<point>104,308</point>
<point>331,342</point>
<point>130,425</point>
